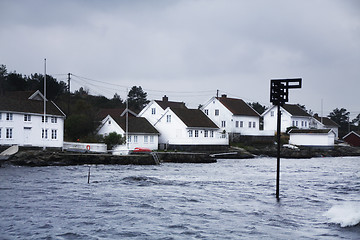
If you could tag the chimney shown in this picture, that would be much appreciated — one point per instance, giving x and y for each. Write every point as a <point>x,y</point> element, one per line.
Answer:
<point>165,98</point>
<point>224,96</point>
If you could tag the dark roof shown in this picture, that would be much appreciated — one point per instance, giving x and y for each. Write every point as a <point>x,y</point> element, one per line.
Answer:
<point>238,106</point>
<point>194,118</point>
<point>20,102</point>
<point>326,121</point>
<point>114,112</point>
<point>165,103</point>
<point>295,110</point>
<point>136,125</point>
<point>310,131</point>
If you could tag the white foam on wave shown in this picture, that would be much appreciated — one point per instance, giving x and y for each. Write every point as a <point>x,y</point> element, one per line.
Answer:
<point>346,214</point>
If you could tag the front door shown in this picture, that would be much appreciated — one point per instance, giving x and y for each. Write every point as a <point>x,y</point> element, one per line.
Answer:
<point>27,135</point>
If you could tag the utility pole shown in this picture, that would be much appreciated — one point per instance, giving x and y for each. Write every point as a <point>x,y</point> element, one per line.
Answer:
<point>69,95</point>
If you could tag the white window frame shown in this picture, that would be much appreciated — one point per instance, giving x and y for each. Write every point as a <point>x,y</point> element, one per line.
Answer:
<point>151,139</point>
<point>223,124</point>
<point>27,118</point>
<point>53,120</point>
<point>9,116</point>
<point>135,139</point>
<point>272,113</point>
<point>153,111</point>
<point>146,139</point>
<point>46,119</point>
<point>211,133</point>
<point>0,133</point>
<point>207,111</point>
<point>9,133</point>
<point>206,133</point>
<point>249,124</point>
<point>254,124</point>
<point>42,133</point>
<point>190,133</point>
<point>217,112</point>
<point>0,116</point>
<point>168,118</point>
<point>54,134</point>
<point>196,133</point>
<point>237,124</point>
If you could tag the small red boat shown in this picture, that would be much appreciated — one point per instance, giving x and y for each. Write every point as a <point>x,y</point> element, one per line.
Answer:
<point>141,150</point>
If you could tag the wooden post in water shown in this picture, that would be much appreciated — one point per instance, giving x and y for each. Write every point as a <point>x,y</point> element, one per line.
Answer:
<point>279,95</point>
<point>89,175</point>
<point>278,152</point>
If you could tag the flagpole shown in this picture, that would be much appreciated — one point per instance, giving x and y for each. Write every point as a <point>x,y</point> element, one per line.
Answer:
<point>44,135</point>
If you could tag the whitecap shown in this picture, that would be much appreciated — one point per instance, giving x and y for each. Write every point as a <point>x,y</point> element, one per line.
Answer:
<point>346,214</point>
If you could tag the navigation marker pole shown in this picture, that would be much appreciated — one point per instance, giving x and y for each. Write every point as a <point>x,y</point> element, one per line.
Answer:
<point>279,94</point>
<point>44,133</point>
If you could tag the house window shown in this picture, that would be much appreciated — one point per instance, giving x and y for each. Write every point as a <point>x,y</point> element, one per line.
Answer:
<point>9,116</point>
<point>190,133</point>
<point>223,124</point>
<point>129,139</point>
<point>9,133</point>
<point>0,133</point>
<point>153,111</point>
<point>53,120</point>
<point>207,111</point>
<point>254,124</point>
<point>135,139</point>
<point>296,123</point>
<point>216,112</point>
<point>293,123</point>
<point>212,134</point>
<point>249,124</point>
<point>237,124</point>
<point>42,133</point>
<point>27,118</point>
<point>0,115</point>
<point>168,118</point>
<point>196,133</point>
<point>146,139</point>
<point>206,133</point>
<point>109,122</point>
<point>53,134</point>
<point>241,124</point>
<point>272,113</point>
<point>305,123</point>
<point>151,139</point>
<point>42,119</point>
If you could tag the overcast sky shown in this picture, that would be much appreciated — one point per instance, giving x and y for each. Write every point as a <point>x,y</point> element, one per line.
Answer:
<point>187,49</point>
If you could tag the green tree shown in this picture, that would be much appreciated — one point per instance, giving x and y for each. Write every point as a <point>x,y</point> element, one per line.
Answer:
<point>3,75</point>
<point>341,117</point>
<point>137,98</point>
<point>258,107</point>
<point>78,126</point>
<point>113,139</point>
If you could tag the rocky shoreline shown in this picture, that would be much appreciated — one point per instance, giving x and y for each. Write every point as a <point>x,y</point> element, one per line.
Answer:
<point>60,158</point>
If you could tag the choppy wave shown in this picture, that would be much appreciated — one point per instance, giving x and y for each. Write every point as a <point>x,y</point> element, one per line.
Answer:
<point>346,214</point>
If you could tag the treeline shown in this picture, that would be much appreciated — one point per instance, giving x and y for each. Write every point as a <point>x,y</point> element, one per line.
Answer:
<point>81,108</point>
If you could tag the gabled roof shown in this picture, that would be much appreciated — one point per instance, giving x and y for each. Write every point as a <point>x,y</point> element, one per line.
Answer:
<point>113,112</point>
<point>295,110</point>
<point>21,102</point>
<point>237,106</point>
<point>194,118</point>
<point>311,131</point>
<point>357,134</point>
<point>136,125</point>
<point>165,103</point>
<point>326,121</point>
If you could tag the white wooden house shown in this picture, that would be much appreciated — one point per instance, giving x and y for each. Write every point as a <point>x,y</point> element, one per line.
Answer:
<point>312,137</point>
<point>140,132</point>
<point>155,109</point>
<point>232,115</point>
<point>22,121</point>
<point>291,116</point>
<point>189,129</point>
<point>324,123</point>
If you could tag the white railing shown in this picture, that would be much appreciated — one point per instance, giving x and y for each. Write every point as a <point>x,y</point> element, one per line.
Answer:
<point>85,147</point>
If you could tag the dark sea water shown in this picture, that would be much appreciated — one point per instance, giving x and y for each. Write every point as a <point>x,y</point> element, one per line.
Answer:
<point>230,199</point>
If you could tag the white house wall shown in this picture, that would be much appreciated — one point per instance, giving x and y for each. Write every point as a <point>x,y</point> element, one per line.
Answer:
<point>226,117</point>
<point>176,133</point>
<point>270,121</point>
<point>148,113</point>
<point>312,139</point>
<point>150,141</point>
<point>29,133</point>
